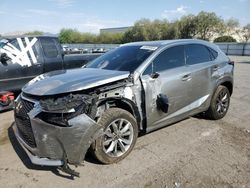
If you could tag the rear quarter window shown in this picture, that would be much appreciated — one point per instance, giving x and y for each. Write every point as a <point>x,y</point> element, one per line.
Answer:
<point>213,53</point>
<point>197,53</point>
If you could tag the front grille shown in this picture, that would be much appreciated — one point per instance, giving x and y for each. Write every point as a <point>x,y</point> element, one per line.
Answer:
<point>23,121</point>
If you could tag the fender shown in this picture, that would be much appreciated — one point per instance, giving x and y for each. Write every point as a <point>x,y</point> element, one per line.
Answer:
<point>125,104</point>
<point>224,80</point>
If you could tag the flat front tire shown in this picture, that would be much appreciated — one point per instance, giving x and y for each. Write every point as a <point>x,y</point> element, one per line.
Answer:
<point>119,138</point>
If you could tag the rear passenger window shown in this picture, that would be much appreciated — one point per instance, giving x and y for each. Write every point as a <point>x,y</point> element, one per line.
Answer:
<point>213,53</point>
<point>168,59</point>
<point>49,47</point>
<point>196,53</point>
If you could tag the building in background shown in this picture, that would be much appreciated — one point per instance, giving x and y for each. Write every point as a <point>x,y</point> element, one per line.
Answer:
<point>115,30</point>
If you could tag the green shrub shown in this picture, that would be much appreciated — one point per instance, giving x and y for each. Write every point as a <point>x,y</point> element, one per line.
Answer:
<point>225,39</point>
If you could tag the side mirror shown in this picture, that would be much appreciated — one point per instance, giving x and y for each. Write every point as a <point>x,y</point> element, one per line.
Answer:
<point>4,58</point>
<point>155,75</point>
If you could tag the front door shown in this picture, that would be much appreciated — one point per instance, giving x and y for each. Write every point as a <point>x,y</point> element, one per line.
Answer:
<point>173,80</point>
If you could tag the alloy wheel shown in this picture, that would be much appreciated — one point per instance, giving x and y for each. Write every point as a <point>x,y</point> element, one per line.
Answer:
<point>118,138</point>
<point>222,102</point>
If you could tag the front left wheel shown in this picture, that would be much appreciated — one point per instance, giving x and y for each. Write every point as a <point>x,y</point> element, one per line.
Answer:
<point>119,138</point>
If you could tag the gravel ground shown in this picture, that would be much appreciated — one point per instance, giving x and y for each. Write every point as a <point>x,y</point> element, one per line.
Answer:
<point>192,153</point>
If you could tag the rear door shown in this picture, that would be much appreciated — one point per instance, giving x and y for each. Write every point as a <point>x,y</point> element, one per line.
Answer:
<point>200,62</point>
<point>173,81</point>
<point>52,54</point>
<point>25,62</point>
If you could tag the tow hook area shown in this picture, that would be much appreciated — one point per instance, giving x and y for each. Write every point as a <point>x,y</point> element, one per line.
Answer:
<point>65,168</point>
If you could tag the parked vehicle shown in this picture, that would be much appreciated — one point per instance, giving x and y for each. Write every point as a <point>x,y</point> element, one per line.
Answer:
<point>23,58</point>
<point>138,87</point>
<point>99,50</point>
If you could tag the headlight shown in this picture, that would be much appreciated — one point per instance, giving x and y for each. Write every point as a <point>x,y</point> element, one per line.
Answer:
<point>58,111</point>
<point>64,104</point>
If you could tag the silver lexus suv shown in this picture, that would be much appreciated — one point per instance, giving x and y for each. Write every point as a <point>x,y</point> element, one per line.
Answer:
<point>136,88</point>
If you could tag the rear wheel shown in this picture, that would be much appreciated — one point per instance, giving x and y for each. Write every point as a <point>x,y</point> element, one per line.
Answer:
<point>219,103</point>
<point>120,135</point>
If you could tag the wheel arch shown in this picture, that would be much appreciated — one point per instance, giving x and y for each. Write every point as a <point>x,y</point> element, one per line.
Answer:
<point>228,85</point>
<point>227,82</point>
<point>124,104</point>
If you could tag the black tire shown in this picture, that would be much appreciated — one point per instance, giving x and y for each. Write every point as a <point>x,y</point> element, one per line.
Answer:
<point>213,112</point>
<point>110,116</point>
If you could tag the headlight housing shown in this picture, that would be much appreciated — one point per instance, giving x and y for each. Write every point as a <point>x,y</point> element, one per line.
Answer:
<point>59,110</point>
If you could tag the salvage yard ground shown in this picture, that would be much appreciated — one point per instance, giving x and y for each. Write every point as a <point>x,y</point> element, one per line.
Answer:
<point>192,153</point>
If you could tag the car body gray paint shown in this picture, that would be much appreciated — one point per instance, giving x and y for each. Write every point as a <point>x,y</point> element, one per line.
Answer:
<point>60,143</point>
<point>145,90</point>
<point>65,81</point>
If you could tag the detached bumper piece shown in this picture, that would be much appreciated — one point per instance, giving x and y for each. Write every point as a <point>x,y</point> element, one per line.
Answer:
<point>51,145</point>
<point>6,100</point>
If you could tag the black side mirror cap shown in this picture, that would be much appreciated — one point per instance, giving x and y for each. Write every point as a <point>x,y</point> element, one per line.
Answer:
<point>4,58</point>
<point>162,103</point>
<point>155,75</point>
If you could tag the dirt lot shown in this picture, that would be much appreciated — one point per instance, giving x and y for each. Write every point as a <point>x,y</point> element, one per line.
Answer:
<point>192,153</point>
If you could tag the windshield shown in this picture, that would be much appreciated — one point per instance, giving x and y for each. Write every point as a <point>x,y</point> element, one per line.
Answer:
<point>124,58</point>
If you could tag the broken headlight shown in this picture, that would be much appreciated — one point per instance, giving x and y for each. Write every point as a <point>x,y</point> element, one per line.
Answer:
<point>58,111</point>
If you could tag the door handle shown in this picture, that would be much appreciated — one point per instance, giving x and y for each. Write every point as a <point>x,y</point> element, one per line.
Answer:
<point>186,77</point>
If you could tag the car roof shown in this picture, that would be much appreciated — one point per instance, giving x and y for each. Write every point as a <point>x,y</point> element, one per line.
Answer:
<point>160,43</point>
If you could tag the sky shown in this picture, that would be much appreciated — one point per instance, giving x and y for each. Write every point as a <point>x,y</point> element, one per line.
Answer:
<point>92,15</point>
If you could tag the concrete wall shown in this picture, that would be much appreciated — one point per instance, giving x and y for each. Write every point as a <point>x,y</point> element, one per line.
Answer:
<point>241,49</point>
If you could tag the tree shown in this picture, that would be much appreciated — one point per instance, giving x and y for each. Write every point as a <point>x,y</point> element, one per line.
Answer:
<point>146,30</point>
<point>246,32</point>
<point>208,24</point>
<point>136,33</point>
<point>88,38</point>
<point>109,38</point>
<point>187,27</point>
<point>69,36</point>
<point>170,32</point>
<point>232,23</point>
<point>225,39</point>
<point>232,27</point>
<point>35,33</point>
<point>202,26</point>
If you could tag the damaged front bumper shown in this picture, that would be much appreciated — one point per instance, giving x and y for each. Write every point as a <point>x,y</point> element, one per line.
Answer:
<point>51,145</point>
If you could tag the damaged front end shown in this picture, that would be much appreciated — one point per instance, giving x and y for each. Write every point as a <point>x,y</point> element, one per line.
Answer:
<point>56,131</point>
<point>56,115</point>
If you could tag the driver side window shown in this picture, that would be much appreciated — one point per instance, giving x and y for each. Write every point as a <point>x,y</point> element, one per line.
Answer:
<point>170,58</point>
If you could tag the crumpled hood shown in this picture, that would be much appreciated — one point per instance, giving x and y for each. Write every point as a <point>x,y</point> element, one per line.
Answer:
<point>64,81</point>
